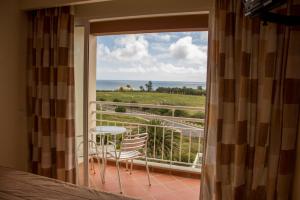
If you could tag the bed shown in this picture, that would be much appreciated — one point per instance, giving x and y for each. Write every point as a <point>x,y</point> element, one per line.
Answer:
<point>18,185</point>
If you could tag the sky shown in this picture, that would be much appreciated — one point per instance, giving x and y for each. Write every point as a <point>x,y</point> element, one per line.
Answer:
<point>173,56</point>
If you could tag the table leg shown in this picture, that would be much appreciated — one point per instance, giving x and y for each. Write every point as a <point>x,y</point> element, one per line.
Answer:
<point>103,159</point>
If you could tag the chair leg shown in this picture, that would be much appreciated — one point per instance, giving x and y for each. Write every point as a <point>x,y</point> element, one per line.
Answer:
<point>147,168</point>
<point>104,169</point>
<point>131,166</point>
<point>92,165</point>
<point>99,166</point>
<point>119,178</point>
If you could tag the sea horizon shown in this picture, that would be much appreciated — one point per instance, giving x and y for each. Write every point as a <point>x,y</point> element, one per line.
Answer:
<point>135,84</point>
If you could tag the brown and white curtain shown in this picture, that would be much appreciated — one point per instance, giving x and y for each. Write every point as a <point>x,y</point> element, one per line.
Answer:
<point>51,93</point>
<point>253,105</point>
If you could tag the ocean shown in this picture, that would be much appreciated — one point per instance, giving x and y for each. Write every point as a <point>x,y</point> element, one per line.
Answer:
<point>116,84</point>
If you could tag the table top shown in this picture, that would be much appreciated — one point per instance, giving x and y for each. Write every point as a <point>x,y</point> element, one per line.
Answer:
<point>112,130</point>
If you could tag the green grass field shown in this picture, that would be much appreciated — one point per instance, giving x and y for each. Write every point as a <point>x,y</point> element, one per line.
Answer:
<point>153,98</point>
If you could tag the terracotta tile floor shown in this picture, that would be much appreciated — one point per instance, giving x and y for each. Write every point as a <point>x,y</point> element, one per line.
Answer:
<point>163,186</point>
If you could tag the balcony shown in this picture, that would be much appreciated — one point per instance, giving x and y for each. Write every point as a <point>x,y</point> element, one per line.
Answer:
<point>164,185</point>
<point>174,150</point>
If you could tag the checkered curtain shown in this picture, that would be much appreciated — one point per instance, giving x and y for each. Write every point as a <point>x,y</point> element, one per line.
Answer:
<point>51,93</point>
<point>253,105</point>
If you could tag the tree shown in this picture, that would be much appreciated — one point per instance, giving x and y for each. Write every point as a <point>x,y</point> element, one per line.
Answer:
<point>142,88</point>
<point>149,86</point>
<point>121,89</point>
<point>128,86</point>
<point>184,89</point>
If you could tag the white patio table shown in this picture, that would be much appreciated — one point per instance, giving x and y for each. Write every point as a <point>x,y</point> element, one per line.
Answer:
<point>104,131</point>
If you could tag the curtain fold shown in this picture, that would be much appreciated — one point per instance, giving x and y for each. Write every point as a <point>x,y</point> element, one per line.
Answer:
<point>50,91</point>
<point>253,105</point>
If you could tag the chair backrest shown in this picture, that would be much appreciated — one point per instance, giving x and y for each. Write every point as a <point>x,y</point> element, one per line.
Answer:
<point>134,142</point>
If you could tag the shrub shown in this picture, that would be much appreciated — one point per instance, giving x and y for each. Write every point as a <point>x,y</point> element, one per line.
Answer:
<point>180,113</point>
<point>120,109</point>
<point>133,101</point>
<point>101,99</point>
<point>116,100</point>
<point>200,115</point>
<point>166,112</point>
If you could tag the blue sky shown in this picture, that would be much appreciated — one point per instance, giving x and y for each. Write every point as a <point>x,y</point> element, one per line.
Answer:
<point>173,56</point>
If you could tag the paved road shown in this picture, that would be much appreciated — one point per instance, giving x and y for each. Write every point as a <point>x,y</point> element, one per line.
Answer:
<point>186,129</point>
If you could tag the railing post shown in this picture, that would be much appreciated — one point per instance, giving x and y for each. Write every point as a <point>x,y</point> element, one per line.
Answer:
<point>190,145</point>
<point>199,143</point>
<point>101,117</point>
<point>180,146</point>
<point>172,134</point>
<point>154,142</point>
<point>163,144</point>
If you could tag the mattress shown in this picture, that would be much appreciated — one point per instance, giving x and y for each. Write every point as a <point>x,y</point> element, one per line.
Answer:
<point>18,185</point>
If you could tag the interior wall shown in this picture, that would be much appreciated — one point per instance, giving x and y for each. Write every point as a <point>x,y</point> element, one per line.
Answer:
<point>79,79</point>
<point>13,134</point>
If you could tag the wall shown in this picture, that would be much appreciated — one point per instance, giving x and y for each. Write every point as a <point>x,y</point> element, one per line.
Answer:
<point>13,137</point>
<point>79,72</point>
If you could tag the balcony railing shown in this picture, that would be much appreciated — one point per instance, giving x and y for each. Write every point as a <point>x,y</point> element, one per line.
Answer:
<point>174,139</point>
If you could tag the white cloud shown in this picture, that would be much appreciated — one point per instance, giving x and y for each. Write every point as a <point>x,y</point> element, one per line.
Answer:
<point>185,49</point>
<point>130,47</point>
<point>130,58</point>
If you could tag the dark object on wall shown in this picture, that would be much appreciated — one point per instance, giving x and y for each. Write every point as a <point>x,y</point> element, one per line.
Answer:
<point>262,8</point>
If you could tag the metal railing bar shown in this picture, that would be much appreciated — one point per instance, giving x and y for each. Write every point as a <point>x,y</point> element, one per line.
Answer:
<point>150,116</point>
<point>173,125</point>
<point>169,127</point>
<point>140,105</point>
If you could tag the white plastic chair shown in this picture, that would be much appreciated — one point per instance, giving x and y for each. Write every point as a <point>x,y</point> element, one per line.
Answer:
<point>92,154</point>
<point>132,146</point>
